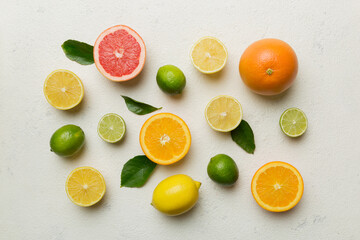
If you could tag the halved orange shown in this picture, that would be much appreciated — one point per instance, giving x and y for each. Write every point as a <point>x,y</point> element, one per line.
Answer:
<point>165,138</point>
<point>277,186</point>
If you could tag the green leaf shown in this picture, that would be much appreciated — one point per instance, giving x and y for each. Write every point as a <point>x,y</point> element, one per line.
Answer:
<point>78,51</point>
<point>136,171</point>
<point>139,107</point>
<point>244,137</point>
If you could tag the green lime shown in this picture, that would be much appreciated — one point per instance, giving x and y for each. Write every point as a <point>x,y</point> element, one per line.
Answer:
<point>111,128</point>
<point>67,140</point>
<point>223,170</point>
<point>171,79</point>
<point>293,122</point>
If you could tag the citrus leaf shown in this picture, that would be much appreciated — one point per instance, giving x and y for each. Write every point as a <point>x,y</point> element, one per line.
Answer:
<point>139,108</point>
<point>78,51</point>
<point>244,137</point>
<point>136,171</point>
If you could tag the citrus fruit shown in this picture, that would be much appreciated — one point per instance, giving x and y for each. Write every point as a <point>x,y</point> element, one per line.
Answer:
<point>165,138</point>
<point>119,53</point>
<point>293,122</point>
<point>85,186</point>
<point>223,170</point>
<point>170,79</point>
<point>63,89</point>
<point>111,128</point>
<point>67,140</point>
<point>208,55</point>
<point>176,195</point>
<point>268,66</point>
<point>277,186</point>
<point>223,113</point>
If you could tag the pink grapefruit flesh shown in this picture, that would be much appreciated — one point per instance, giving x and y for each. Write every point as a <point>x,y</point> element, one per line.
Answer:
<point>119,53</point>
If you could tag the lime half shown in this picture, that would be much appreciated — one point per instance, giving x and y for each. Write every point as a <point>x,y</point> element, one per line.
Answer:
<point>293,122</point>
<point>111,128</point>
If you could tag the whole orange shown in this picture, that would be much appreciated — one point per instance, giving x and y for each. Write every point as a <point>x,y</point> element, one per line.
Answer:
<point>268,66</point>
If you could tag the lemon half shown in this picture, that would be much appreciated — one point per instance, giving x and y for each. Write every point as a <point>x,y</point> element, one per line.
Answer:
<point>209,55</point>
<point>85,186</point>
<point>223,113</point>
<point>63,89</point>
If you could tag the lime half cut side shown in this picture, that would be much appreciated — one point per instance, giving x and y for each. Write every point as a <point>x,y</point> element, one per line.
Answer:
<point>293,122</point>
<point>111,128</point>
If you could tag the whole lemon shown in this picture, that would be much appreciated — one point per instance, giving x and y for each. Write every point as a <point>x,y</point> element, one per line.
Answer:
<point>176,195</point>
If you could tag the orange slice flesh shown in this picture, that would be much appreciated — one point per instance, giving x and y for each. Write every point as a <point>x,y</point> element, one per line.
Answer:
<point>277,186</point>
<point>165,138</point>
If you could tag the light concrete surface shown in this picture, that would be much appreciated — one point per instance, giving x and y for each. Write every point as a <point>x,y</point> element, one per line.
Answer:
<point>325,36</point>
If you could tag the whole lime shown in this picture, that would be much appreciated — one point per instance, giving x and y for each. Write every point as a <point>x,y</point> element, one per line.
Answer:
<point>222,169</point>
<point>67,140</point>
<point>171,79</point>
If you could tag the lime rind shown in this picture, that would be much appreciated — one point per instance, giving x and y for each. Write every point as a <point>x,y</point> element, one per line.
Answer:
<point>293,122</point>
<point>223,170</point>
<point>171,79</point>
<point>111,128</point>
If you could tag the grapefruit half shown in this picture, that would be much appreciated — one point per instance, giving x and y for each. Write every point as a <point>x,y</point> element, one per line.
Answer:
<point>119,53</point>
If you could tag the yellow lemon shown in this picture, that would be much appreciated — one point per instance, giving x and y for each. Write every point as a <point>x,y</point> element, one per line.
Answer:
<point>208,55</point>
<point>85,186</point>
<point>63,89</point>
<point>223,113</point>
<point>176,195</point>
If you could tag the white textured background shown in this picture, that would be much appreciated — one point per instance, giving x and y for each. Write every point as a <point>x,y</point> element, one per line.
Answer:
<point>325,36</point>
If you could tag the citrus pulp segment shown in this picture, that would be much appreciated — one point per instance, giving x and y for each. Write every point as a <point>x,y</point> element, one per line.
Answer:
<point>63,89</point>
<point>85,186</point>
<point>293,122</point>
<point>208,55</point>
<point>119,53</point>
<point>111,128</point>
<point>277,186</point>
<point>165,138</point>
<point>223,113</point>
